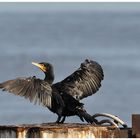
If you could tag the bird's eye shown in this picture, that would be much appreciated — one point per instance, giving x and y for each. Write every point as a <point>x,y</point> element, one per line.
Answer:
<point>43,65</point>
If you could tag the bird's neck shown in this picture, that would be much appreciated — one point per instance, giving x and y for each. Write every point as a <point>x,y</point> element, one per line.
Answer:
<point>49,77</point>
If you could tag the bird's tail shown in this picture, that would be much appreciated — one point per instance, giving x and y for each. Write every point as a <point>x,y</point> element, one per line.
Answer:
<point>83,115</point>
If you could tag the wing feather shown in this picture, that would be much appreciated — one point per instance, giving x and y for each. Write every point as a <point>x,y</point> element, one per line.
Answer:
<point>36,90</point>
<point>83,82</point>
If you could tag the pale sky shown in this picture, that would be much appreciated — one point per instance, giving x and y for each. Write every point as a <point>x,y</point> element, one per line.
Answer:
<point>37,6</point>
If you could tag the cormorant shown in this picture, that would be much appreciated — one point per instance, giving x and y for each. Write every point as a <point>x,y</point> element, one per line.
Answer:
<point>62,98</point>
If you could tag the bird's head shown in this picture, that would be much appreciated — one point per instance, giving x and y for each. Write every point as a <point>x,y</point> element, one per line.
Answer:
<point>43,66</point>
<point>47,68</point>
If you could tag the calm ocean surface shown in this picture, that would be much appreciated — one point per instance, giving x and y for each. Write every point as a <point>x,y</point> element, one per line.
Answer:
<point>65,39</point>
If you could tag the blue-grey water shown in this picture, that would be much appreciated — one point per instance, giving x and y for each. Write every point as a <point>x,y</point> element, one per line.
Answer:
<point>65,38</point>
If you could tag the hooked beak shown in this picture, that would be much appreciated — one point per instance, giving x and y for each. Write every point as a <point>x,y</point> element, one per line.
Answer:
<point>42,67</point>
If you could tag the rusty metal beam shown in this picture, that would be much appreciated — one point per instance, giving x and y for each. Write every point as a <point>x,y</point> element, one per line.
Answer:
<point>136,125</point>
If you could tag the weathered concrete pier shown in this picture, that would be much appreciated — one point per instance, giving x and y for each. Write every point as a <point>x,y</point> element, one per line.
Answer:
<point>68,130</point>
<point>51,130</point>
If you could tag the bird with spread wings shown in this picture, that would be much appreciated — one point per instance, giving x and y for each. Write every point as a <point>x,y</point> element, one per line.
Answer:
<point>62,98</point>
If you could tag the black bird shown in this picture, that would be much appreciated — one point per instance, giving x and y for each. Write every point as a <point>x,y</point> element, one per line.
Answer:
<point>62,98</point>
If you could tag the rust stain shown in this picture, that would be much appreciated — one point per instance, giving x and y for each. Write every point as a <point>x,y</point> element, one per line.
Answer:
<point>21,132</point>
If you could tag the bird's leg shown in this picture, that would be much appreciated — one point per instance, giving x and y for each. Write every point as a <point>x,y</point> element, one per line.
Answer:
<point>63,119</point>
<point>95,121</point>
<point>58,119</point>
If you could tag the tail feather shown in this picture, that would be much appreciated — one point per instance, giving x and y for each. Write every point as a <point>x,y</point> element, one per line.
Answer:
<point>85,116</point>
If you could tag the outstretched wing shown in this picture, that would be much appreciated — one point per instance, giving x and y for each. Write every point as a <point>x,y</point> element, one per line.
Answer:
<point>36,90</point>
<point>83,82</point>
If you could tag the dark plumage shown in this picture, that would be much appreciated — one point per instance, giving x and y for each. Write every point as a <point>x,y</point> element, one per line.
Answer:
<point>62,98</point>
